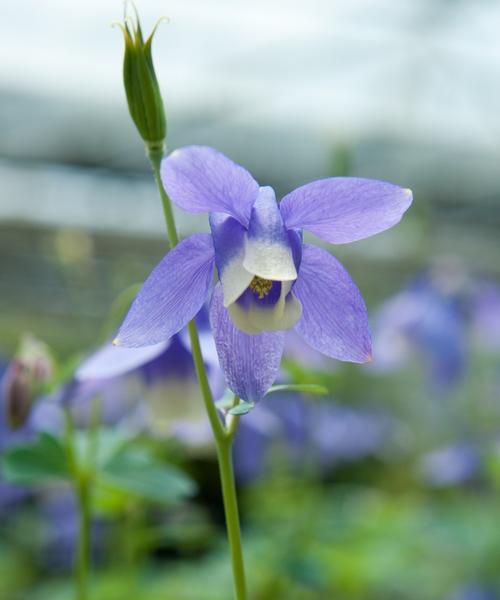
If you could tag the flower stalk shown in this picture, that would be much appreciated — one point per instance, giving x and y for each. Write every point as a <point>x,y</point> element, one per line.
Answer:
<point>81,487</point>
<point>223,434</point>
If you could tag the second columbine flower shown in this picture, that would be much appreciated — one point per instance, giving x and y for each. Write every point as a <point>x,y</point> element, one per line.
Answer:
<point>269,280</point>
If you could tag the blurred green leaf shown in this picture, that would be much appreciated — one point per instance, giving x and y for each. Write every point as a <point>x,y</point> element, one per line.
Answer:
<point>304,388</point>
<point>138,473</point>
<point>37,462</point>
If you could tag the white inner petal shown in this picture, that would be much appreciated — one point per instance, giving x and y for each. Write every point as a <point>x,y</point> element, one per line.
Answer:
<point>269,260</point>
<point>234,279</point>
<point>256,319</point>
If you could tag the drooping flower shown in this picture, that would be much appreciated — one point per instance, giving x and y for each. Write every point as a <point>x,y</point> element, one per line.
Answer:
<point>269,280</point>
<point>152,388</point>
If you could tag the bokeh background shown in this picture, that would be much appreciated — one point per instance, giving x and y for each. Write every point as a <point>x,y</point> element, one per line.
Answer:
<point>388,489</point>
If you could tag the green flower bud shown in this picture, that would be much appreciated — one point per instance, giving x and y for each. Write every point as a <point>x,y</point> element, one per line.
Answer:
<point>144,99</point>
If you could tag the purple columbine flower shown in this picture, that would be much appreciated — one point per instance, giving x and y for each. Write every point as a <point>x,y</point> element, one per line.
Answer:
<point>151,388</point>
<point>269,280</point>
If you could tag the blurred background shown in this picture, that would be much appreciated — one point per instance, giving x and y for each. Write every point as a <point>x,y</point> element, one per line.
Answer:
<point>388,489</point>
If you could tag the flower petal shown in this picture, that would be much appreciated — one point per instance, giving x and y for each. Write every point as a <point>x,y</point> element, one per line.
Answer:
<point>334,319</point>
<point>250,362</point>
<point>268,252</point>
<point>229,238</point>
<point>278,311</point>
<point>200,179</point>
<point>111,361</point>
<point>172,294</point>
<point>345,209</point>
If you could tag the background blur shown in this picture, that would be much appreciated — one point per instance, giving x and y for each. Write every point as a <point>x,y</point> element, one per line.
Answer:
<point>402,91</point>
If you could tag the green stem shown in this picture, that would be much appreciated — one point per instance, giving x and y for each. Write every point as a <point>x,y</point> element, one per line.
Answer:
<point>223,435</point>
<point>81,486</point>
<point>232,517</point>
<point>155,154</point>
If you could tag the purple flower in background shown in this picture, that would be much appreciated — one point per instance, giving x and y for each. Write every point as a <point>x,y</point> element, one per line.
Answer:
<point>153,387</point>
<point>426,320</point>
<point>59,530</point>
<point>309,433</point>
<point>450,465</point>
<point>269,281</point>
<point>485,315</point>
<point>11,494</point>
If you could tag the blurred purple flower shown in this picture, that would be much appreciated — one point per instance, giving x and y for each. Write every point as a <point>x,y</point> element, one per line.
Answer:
<point>310,433</point>
<point>59,522</point>
<point>426,320</point>
<point>150,387</point>
<point>450,465</point>
<point>475,591</point>
<point>269,281</point>
<point>486,315</point>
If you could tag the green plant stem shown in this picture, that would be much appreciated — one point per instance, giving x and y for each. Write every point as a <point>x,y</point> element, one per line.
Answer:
<point>224,455</point>
<point>155,154</point>
<point>223,435</point>
<point>81,486</point>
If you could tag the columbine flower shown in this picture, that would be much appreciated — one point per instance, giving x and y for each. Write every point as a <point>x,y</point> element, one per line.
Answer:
<point>153,387</point>
<point>269,281</point>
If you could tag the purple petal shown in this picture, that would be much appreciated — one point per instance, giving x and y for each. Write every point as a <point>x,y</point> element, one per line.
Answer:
<point>172,295</point>
<point>200,179</point>
<point>111,361</point>
<point>250,362</point>
<point>229,237</point>
<point>345,209</point>
<point>334,319</point>
<point>268,252</point>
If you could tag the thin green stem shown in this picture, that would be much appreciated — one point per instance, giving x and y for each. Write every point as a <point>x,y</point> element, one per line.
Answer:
<point>215,422</point>
<point>232,517</point>
<point>223,435</point>
<point>155,154</point>
<point>81,486</point>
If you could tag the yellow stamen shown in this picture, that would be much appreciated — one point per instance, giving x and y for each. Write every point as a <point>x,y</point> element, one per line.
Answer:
<point>260,286</point>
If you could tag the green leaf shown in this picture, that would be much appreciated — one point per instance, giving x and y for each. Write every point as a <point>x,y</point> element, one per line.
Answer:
<point>136,472</point>
<point>304,388</point>
<point>242,408</point>
<point>37,462</point>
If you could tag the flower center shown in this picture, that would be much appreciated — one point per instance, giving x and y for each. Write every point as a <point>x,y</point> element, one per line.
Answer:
<point>260,286</point>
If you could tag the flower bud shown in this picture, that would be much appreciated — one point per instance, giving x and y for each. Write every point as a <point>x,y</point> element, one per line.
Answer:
<point>144,99</point>
<point>24,379</point>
